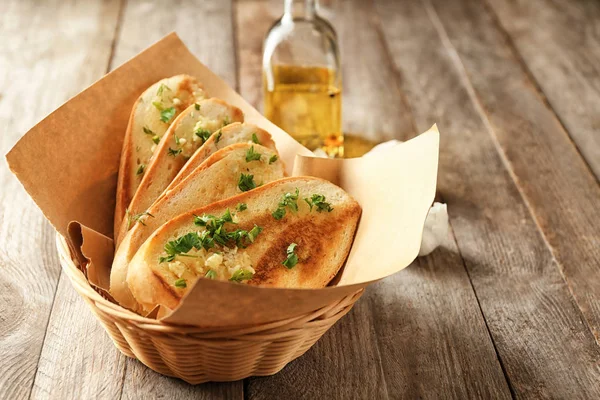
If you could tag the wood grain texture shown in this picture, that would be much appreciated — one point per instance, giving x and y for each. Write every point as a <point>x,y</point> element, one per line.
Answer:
<point>422,325</point>
<point>544,345</point>
<point>373,104</point>
<point>560,43</point>
<point>143,383</point>
<point>78,360</point>
<point>253,19</point>
<point>431,334</point>
<point>561,192</point>
<point>46,61</point>
<point>345,363</point>
<point>206,27</point>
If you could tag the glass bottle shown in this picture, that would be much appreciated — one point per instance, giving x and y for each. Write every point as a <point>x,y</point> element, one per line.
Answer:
<point>302,80</point>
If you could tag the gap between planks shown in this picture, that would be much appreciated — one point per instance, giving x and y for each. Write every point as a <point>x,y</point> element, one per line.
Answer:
<point>531,77</point>
<point>508,166</point>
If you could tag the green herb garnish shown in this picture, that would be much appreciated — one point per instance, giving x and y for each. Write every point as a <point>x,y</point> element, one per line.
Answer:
<point>273,159</point>
<point>161,88</point>
<point>251,155</point>
<point>181,245</point>
<point>158,105</point>
<point>156,139</point>
<point>246,182</point>
<point>218,137</point>
<point>137,218</point>
<point>174,153</point>
<point>167,114</point>
<point>292,259</point>
<point>279,213</point>
<point>226,121</point>
<point>197,107</point>
<point>203,134</point>
<point>318,200</point>
<point>241,275</point>
<point>140,169</point>
<point>210,274</point>
<point>254,232</point>
<point>147,131</point>
<point>180,283</point>
<point>216,231</point>
<point>287,200</point>
<point>255,138</point>
<point>241,207</point>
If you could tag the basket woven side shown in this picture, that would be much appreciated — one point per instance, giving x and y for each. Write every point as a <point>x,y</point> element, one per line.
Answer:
<point>199,355</point>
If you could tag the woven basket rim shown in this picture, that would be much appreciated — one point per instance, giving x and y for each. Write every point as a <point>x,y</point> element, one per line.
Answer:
<point>118,312</point>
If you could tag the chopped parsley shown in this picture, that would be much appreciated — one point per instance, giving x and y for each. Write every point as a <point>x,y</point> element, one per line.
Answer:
<point>273,159</point>
<point>292,259</point>
<point>141,217</point>
<point>210,274</point>
<point>148,131</point>
<point>174,152</point>
<point>140,169</point>
<point>203,134</point>
<point>226,120</point>
<point>161,88</point>
<point>246,182</point>
<point>218,137</point>
<point>318,200</point>
<point>255,138</point>
<point>156,139</point>
<point>167,114</point>
<point>254,232</point>
<point>279,213</point>
<point>241,275</point>
<point>177,140</point>
<point>215,233</point>
<point>180,246</point>
<point>241,207</point>
<point>158,105</point>
<point>180,283</point>
<point>287,200</point>
<point>251,155</point>
<point>197,107</point>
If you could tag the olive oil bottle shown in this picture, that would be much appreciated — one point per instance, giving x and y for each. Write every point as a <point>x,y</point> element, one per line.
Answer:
<point>301,78</point>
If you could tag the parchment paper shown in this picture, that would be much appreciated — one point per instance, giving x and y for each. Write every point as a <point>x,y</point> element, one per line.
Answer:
<point>68,163</point>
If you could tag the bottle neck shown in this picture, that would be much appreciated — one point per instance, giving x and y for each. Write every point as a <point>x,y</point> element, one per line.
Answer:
<point>306,9</point>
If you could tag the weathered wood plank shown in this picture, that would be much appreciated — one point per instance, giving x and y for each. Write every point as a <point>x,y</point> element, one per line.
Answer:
<point>52,50</point>
<point>345,363</point>
<point>206,27</point>
<point>422,325</point>
<point>78,360</point>
<point>560,43</point>
<point>537,328</point>
<point>374,107</point>
<point>561,192</point>
<point>143,383</point>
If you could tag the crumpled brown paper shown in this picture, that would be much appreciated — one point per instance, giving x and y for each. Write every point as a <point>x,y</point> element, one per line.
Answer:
<point>68,163</point>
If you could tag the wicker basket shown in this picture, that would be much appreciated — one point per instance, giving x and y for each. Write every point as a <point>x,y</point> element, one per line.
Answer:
<point>199,355</point>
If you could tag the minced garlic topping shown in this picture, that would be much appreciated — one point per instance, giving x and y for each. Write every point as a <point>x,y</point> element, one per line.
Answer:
<point>224,261</point>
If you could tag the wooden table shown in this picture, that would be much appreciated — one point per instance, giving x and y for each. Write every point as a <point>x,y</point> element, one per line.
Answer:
<point>508,307</point>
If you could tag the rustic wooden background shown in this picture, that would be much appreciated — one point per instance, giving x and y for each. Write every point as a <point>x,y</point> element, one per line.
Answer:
<point>509,307</point>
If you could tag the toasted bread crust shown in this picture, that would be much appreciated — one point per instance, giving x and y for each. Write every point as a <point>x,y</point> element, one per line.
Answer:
<point>164,167</point>
<point>213,180</point>
<point>323,238</point>
<point>233,133</point>
<point>137,144</point>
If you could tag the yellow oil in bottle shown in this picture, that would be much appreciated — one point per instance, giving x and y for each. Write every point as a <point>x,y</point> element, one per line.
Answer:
<point>306,102</point>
